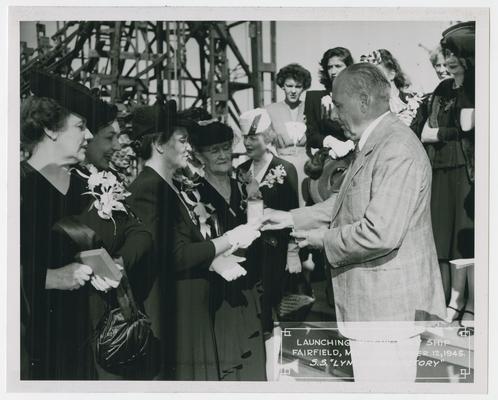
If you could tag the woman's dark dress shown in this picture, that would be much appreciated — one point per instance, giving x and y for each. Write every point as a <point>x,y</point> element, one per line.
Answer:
<point>450,182</point>
<point>156,204</point>
<point>56,322</point>
<point>191,305</point>
<point>126,238</point>
<point>179,301</point>
<point>196,355</point>
<point>237,326</point>
<point>267,256</point>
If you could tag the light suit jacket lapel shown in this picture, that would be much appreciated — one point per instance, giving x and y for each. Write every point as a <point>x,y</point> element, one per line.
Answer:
<point>361,158</point>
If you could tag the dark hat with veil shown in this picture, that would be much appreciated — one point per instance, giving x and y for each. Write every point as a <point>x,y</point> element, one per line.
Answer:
<point>74,97</point>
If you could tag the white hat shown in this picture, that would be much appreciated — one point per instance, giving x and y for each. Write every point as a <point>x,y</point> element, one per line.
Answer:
<point>247,119</point>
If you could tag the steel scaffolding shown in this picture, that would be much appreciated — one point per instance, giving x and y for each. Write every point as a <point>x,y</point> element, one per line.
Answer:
<point>134,61</point>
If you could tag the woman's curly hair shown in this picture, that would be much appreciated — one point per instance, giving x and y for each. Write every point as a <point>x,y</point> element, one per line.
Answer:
<point>38,114</point>
<point>400,79</point>
<point>296,72</point>
<point>341,52</point>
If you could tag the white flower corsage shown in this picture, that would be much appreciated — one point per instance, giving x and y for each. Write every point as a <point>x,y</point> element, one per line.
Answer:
<point>107,191</point>
<point>413,101</point>
<point>276,175</point>
<point>199,212</point>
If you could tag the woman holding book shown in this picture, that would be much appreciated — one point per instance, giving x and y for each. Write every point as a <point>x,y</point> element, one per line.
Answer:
<point>54,312</point>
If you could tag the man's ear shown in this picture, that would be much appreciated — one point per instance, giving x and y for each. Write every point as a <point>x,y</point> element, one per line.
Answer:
<point>364,100</point>
<point>52,135</point>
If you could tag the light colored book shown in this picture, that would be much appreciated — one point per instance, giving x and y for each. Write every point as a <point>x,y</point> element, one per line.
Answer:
<point>101,263</point>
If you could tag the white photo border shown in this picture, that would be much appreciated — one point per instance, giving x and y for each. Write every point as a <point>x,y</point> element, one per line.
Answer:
<point>480,15</point>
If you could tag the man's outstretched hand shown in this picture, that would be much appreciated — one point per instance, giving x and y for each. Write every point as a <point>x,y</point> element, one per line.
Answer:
<point>275,219</point>
<point>312,238</point>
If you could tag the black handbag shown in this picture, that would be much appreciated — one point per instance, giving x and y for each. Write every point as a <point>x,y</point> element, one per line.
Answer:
<point>125,342</point>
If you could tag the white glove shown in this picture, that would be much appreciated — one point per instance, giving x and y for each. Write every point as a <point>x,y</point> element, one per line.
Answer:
<point>242,236</point>
<point>467,119</point>
<point>228,267</point>
<point>309,264</point>
<point>293,261</point>
<point>429,135</point>
<point>105,284</point>
<point>337,147</point>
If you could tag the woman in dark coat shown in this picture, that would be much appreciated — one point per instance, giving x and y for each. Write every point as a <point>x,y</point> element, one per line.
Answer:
<point>273,180</point>
<point>124,238</point>
<point>238,331</point>
<point>54,315</point>
<point>179,304</point>
<point>449,144</point>
<point>154,200</point>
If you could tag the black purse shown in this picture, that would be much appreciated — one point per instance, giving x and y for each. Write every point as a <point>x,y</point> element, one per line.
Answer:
<point>125,342</point>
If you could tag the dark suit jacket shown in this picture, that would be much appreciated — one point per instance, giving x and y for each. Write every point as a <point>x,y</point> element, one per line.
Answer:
<point>316,127</point>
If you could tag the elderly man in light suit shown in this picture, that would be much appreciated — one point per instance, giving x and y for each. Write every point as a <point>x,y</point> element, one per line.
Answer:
<point>376,233</point>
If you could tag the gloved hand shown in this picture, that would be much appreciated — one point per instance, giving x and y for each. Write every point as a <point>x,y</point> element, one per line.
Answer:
<point>104,284</point>
<point>228,267</point>
<point>337,147</point>
<point>293,260</point>
<point>429,135</point>
<point>467,119</point>
<point>70,277</point>
<point>242,236</point>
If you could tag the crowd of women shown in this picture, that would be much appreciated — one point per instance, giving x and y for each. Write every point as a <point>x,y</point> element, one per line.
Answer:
<point>205,286</point>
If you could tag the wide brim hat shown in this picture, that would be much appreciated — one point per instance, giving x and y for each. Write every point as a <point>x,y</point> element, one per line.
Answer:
<point>74,97</point>
<point>460,39</point>
<point>208,134</point>
<point>161,117</point>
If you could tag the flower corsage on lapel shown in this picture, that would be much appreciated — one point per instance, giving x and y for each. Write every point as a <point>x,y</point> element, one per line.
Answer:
<point>252,199</point>
<point>201,213</point>
<point>274,176</point>
<point>108,192</point>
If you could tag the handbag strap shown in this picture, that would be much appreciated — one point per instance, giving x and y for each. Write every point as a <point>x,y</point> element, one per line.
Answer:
<point>126,300</point>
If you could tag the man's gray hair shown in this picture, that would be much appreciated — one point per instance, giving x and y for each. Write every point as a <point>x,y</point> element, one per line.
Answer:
<point>368,79</point>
